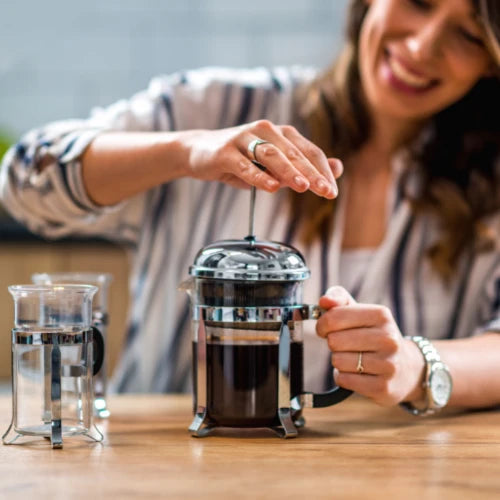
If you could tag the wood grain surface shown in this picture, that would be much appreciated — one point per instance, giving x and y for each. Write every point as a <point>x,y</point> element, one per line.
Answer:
<point>355,450</point>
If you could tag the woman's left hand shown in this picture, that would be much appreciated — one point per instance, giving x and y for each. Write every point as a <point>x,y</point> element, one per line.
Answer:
<point>392,366</point>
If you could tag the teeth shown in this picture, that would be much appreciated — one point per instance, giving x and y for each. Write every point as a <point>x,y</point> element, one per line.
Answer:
<point>409,78</point>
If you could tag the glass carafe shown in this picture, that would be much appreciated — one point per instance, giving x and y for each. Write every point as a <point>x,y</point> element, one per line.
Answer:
<point>100,319</point>
<point>55,354</point>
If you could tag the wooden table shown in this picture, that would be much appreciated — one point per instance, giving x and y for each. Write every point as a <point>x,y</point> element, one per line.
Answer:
<point>354,450</point>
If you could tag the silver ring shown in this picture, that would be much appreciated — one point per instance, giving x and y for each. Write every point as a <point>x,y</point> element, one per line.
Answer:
<point>252,146</point>
<point>360,368</point>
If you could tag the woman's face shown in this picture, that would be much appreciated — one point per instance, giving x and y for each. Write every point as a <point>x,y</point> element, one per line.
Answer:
<point>419,56</point>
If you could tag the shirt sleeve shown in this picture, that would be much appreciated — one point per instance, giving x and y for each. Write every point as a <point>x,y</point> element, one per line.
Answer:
<point>489,300</point>
<point>52,200</point>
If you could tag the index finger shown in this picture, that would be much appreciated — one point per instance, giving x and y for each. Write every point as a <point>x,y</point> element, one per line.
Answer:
<point>336,296</point>
<point>349,317</point>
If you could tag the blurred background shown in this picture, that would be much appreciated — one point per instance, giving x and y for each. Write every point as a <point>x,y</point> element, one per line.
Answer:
<point>61,58</point>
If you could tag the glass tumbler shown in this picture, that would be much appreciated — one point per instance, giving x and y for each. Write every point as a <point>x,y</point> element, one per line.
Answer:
<point>100,319</point>
<point>56,351</point>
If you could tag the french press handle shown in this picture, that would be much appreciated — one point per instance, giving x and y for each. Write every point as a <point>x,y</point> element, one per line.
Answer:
<point>318,400</point>
<point>322,399</point>
<point>98,350</point>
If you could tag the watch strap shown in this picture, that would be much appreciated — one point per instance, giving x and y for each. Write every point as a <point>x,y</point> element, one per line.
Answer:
<point>431,357</point>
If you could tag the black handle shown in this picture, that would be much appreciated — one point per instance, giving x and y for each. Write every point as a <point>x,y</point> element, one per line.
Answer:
<point>334,395</point>
<point>321,400</point>
<point>331,397</point>
<point>98,350</point>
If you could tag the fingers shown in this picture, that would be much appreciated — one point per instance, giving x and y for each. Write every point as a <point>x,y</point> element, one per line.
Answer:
<point>281,166</point>
<point>312,162</point>
<point>347,362</point>
<point>360,339</point>
<point>337,167</point>
<point>291,159</point>
<point>249,174</point>
<point>336,296</point>
<point>353,316</point>
<point>234,181</point>
<point>371,386</point>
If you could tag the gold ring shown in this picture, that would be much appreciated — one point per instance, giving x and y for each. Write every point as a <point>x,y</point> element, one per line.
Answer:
<point>360,368</point>
<point>252,146</point>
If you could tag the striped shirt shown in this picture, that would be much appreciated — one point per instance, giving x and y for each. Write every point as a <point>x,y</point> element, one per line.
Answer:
<point>166,226</point>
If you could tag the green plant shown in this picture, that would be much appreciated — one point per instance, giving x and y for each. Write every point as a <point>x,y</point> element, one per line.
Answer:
<point>5,142</point>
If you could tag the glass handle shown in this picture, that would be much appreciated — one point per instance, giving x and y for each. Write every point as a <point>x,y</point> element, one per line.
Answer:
<point>98,350</point>
<point>322,399</point>
<point>55,397</point>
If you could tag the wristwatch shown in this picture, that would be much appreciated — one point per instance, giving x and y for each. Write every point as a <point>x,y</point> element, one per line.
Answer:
<point>437,382</point>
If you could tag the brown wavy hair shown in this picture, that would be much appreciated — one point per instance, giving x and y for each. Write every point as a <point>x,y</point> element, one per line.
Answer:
<point>455,153</point>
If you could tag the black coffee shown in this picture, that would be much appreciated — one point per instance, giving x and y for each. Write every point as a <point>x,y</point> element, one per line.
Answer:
<point>242,383</point>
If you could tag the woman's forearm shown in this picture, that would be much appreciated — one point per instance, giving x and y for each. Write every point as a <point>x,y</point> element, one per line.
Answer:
<point>118,165</point>
<point>475,368</point>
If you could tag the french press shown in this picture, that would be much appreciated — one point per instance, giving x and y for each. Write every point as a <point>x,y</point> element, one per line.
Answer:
<point>247,313</point>
<point>55,354</point>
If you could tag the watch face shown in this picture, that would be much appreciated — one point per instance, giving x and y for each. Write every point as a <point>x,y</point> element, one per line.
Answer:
<point>440,386</point>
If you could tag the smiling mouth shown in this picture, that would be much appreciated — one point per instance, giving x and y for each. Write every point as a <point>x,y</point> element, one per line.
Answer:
<point>408,78</point>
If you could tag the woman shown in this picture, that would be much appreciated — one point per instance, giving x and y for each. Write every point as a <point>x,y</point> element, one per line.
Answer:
<point>411,107</point>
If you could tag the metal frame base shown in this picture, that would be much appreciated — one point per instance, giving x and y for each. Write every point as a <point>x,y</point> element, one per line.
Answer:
<point>288,429</point>
<point>199,427</point>
<point>11,436</point>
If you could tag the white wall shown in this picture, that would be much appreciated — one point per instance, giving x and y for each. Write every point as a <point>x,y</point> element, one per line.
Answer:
<point>59,58</point>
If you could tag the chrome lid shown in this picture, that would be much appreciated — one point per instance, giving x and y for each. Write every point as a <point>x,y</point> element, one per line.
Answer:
<point>250,259</point>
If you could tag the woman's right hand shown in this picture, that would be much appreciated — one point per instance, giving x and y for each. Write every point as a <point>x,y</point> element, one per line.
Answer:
<point>290,160</point>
